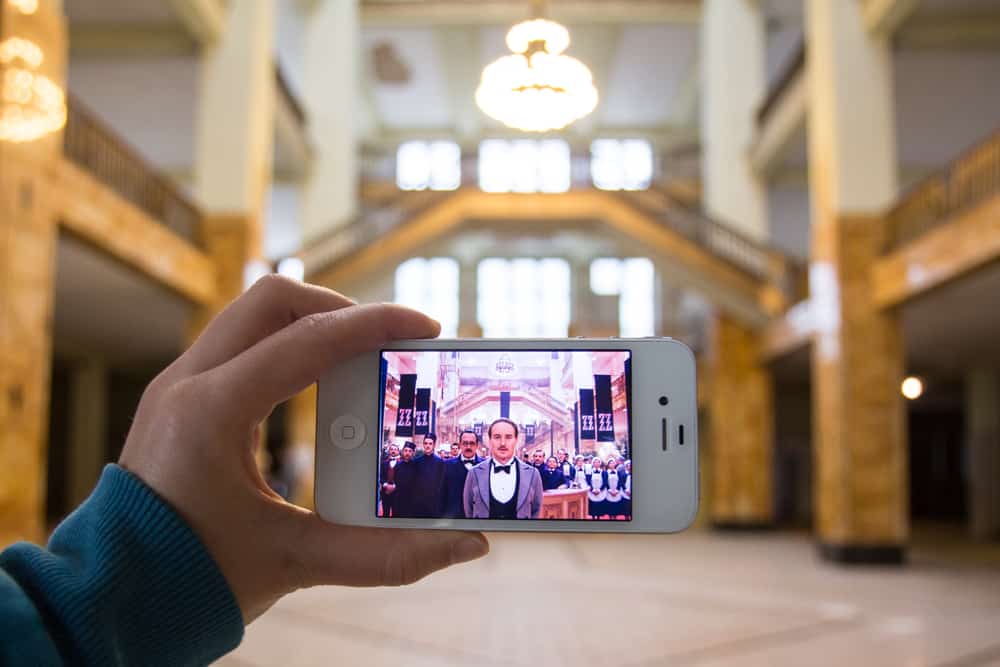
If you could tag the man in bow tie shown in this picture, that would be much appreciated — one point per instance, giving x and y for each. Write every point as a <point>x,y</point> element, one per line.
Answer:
<point>503,486</point>
<point>458,469</point>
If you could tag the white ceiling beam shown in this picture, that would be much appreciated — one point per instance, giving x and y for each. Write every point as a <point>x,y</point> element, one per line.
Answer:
<point>204,19</point>
<point>948,31</point>
<point>597,47</point>
<point>884,17</point>
<point>505,12</point>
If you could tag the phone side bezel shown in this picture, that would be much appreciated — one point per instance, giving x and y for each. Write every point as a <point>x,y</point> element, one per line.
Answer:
<point>665,483</point>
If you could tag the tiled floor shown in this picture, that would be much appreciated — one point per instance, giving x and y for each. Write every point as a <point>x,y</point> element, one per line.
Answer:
<point>691,599</point>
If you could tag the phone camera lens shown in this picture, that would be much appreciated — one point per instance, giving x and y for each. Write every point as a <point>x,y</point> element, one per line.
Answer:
<point>664,400</point>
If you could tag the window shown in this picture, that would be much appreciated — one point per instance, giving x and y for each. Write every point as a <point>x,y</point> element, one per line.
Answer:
<point>524,165</point>
<point>621,164</point>
<point>523,297</point>
<point>633,280</point>
<point>430,286</point>
<point>436,165</point>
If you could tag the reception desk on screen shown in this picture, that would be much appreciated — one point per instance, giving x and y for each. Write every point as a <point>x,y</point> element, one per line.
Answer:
<point>564,504</point>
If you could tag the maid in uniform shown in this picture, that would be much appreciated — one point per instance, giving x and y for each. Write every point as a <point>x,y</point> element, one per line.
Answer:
<point>615,481</point>
<point>627,489</point>
<point>580,475</point>
<point>598,489</point>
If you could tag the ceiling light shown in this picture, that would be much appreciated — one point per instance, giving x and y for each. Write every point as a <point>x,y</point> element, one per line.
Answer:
<point>31,104</point>
<point>912,388</point>
<point>537,88</point>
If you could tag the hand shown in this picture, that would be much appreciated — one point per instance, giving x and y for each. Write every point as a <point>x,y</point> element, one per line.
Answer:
<point>195,430</point>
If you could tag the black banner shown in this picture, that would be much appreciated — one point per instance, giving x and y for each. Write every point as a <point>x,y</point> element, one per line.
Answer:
<point>587,426</point>
<point>505,404</point>
<point>478,428</point>
<point>404,416</point>
<point>434,417</point>
<point>628,383</point>
<point>422,411</point>
<point>529,434</point>
<point>605,413</point>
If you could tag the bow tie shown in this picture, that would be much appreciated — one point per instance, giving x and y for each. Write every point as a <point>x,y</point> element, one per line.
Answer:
<point>500,468</point>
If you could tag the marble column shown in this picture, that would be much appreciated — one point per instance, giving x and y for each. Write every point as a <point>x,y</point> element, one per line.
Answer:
<point>859,438</point>
<point>741,428</point>
<point>27,254</point>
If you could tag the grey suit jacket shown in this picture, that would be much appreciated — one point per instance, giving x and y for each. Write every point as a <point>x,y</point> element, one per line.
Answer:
<point>476,497</point>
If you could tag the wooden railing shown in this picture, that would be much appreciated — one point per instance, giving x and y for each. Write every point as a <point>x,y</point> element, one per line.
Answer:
<point>90,143</point>
<point>795,65</point>
<point>970,179</point>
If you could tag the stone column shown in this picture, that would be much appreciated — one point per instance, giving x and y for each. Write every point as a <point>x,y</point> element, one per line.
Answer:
<point>27,256</point>
<point>235,138</point>
<point>332,46</point>
<point>581,298</point>
<point>861,487</point>
<point>88,412</point>
<point>733,85</point>
<point>982,415</point>
<point>741,416</point>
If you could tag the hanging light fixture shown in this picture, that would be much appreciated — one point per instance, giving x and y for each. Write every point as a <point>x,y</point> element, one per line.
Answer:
<point>537,88</point>
<point>31,104</point>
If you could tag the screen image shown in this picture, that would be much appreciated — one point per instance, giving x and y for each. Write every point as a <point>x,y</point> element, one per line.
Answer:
<point>493,434</point>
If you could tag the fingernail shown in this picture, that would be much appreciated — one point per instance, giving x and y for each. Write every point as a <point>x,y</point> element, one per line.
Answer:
<point>470,548</point>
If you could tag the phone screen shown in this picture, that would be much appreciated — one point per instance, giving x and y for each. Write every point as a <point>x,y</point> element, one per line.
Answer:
<point>505,434</point>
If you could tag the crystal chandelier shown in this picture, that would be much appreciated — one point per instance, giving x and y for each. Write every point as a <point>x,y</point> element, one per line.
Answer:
<point>537,88</point>
<point>31,104</point>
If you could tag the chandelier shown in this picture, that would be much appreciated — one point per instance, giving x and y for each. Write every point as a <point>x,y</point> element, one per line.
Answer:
<point>31,104</point>
<point>537,88</point>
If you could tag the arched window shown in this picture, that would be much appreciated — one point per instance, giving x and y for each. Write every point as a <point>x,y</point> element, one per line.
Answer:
<point>523,298</point>
<point>430,286</point>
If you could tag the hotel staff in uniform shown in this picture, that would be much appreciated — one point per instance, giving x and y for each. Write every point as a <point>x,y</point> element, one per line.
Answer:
<point>503,486</point>
<point>456,472</point>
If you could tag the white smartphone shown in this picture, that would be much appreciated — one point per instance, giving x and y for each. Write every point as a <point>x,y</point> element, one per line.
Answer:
<point>582,435</point>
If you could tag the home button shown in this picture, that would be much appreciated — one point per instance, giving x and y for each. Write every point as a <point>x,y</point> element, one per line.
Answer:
<point>348,432</point>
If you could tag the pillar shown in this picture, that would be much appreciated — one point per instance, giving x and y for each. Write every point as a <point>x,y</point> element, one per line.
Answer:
<point>27,256</point>
<point>88,413</point>
<point>234,144</point>
<point>332,45</point>
<point>733,86</point>
<point>982,428</point>
<point>860,456</point>
<point>741,428</point>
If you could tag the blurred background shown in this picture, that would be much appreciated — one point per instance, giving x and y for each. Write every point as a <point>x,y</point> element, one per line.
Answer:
<point>806,192</point>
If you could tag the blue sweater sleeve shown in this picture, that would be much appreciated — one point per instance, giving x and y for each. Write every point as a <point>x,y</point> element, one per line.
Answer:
<point>124,581</point>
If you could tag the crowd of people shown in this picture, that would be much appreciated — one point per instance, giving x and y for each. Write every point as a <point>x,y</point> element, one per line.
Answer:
<point>472,479</point>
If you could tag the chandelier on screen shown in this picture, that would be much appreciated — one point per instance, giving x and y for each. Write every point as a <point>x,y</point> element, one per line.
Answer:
<point>537,88</point>
<point>31,104</point>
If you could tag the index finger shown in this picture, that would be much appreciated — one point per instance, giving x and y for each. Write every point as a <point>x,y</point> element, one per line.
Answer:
<point>293,358</point>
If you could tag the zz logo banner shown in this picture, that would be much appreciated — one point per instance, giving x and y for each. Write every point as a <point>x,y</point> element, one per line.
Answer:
<point>587,422</point>
<point>604,422</point>
<point>404,417</point>
<point>421,417</point>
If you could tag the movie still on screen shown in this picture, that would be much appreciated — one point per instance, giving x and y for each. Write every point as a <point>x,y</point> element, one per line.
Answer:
<point>491,434</point>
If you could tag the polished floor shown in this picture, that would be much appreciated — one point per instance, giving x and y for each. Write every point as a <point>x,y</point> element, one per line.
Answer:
<point>691,599</point>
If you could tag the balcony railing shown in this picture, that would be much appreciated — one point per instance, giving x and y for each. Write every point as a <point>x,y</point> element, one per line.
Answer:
<point>969,180</point>
<point>96,148</point>
<point>721,240</point>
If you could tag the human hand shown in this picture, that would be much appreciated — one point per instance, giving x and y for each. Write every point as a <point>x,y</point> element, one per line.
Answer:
<point>196,426</point>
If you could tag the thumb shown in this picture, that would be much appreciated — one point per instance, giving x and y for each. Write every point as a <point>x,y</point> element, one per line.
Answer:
<point>359,556</point>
